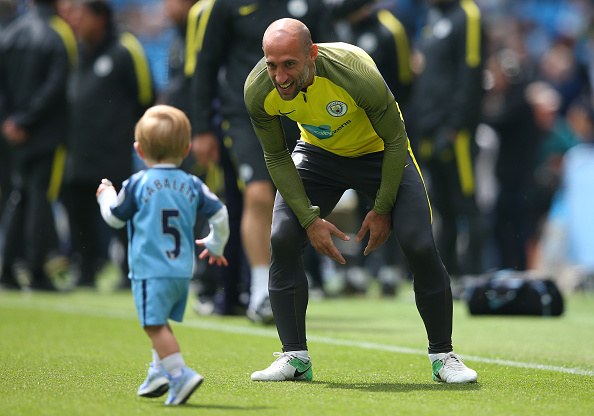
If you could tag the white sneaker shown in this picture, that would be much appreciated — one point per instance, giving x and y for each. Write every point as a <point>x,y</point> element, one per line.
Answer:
<point>449,368</point>
<point>182,387</point>
<point>286,367</point>
<point>156,383</point>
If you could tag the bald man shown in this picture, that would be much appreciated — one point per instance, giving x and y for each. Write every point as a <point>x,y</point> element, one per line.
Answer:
<point>352,136</point>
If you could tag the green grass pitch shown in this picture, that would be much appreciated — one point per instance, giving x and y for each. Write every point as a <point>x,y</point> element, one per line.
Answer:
<point>84,353</point>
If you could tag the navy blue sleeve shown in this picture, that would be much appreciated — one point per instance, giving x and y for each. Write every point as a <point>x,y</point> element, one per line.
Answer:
<point>208,204</point>
<point>126,205</point>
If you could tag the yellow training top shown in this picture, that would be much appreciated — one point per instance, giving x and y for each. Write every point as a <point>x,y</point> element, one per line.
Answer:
<point>348,110</point>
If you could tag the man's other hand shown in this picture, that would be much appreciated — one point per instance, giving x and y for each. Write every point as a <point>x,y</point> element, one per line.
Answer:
<point>379,227</point>
<point>320,236</point>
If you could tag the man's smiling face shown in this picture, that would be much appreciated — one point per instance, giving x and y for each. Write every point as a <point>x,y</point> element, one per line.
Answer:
<point>290,65</point>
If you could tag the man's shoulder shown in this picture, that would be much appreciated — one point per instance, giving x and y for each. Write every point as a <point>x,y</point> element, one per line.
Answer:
<point>126,43</point>
<point>348,66</point>
<point>30,25</point>
<point>12,30</point>
<point>341,50</point>
<point>340,56</point>
<point>463,11</point>
<point>232,8</point>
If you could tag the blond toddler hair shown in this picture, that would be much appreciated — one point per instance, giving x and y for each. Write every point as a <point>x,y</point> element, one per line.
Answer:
<point>164,133</point>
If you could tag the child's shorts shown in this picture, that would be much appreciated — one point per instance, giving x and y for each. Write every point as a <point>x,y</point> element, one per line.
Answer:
<point>158,300</point>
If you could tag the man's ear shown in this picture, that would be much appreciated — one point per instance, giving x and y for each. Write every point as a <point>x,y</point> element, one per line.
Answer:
<point>187,152</point>
<point>139,150</point>
<point>313,52</point>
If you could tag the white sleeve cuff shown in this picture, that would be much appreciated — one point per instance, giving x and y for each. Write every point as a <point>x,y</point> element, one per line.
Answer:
<point>106,200</point>
<point>216,240</point>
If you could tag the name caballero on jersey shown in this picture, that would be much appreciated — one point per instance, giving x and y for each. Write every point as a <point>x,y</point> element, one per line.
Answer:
<point>173,185</point>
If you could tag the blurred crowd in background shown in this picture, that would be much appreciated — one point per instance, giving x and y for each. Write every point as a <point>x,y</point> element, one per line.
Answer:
<point>534,163</point>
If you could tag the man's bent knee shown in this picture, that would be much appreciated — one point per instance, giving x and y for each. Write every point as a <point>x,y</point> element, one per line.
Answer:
<point>287,235</point>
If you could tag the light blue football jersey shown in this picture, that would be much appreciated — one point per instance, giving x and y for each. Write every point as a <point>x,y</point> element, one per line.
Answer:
<point>160,205</point>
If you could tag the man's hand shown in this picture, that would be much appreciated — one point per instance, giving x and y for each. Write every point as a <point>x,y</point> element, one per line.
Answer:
<point>320,236</point>
<point>14,134</point>
<point>205,148</point>
<point>379,227</point>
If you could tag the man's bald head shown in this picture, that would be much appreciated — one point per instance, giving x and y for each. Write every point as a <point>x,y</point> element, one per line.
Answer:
<point>283,30</point>
<point>290,55</point>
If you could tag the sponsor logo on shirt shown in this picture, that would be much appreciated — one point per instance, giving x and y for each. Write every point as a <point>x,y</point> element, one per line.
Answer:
<point>324,132</point>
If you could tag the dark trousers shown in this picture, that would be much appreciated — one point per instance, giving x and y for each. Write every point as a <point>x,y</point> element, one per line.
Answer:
<point>225,283</point>
<point>28,221</point>
<point>89,234</point>
<point>5,182</point>
<point>511,227</point>
<point>451,169</point>
<point>230,278</point>
<point>326,176</point>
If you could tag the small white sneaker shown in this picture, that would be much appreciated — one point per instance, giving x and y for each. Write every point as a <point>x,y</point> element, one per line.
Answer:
<point>182,387</point>
<point>449,368</point>
<point>286,367</point>
<point>156,383</point>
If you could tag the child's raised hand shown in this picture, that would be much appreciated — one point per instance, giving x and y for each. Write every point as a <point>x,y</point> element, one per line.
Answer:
<point>218,260</point>
<point>105,183</point>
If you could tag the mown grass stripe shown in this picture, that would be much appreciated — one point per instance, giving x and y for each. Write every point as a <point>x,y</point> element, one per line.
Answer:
<point>271,333</point>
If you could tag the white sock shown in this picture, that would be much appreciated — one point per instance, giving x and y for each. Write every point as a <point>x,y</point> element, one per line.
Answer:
<point>258,286</point>
<point>174,364</point>
<point>156,360</point>
<point>433,357</point>
<point>302,355</point>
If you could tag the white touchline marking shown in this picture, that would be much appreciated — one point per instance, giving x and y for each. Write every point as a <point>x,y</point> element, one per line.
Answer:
<point>271,333</point>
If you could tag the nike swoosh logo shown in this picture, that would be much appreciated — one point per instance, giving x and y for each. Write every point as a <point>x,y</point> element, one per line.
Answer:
<point>284,114</point>
<point>300,373</point>
<point>406,164</point>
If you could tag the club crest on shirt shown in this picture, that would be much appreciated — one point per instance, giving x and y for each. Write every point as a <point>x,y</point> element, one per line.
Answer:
<point>442,28</point>
<point>336,108</point>
<point>103,66</point>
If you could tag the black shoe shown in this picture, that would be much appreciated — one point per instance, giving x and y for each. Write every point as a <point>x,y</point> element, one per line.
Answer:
<point>43,284</point>
<point>389,291</point>
<point>351,290</point>
<point>227,306</point>
<point>88,283</point>
<point>125,284</point>
<point>8,282</point>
